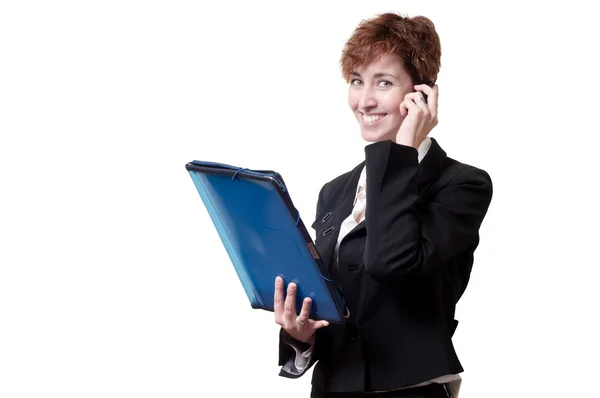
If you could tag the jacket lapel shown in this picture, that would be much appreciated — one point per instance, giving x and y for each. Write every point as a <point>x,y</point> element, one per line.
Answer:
<point>335,211</point>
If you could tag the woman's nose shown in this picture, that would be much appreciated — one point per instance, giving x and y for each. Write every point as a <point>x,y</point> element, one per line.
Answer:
<point>367,99</point>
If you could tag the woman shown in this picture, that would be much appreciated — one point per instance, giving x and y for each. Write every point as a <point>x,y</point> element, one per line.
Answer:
<point>398,232</point>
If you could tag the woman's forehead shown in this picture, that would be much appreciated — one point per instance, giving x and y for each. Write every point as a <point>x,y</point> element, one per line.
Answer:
<point>385,63</point>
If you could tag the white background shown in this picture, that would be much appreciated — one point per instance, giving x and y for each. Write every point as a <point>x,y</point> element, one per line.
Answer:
<point>113,282</point>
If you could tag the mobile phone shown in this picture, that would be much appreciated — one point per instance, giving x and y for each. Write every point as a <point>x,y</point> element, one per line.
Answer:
<point>430,84</point>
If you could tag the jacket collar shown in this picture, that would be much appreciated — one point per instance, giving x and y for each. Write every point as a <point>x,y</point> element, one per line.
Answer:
<point>431,165</point>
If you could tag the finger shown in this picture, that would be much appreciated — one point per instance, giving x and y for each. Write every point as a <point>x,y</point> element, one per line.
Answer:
<point>424,88</point>
<point>418,99</point>
<point>278,299</point>
<point>305,311</point>
<point>411,107</point>
<point>432,96</point>
<point>290,304</point>
<point>403,109</point>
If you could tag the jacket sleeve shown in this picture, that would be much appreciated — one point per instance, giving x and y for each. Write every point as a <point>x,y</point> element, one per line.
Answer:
<point>400,244</point>
<point>295,357</point>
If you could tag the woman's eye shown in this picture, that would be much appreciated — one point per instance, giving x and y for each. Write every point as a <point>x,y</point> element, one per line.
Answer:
<point>384,83</point>
<point>355,82</point>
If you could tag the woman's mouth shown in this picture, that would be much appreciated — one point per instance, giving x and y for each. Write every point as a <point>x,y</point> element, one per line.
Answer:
<point>372,119</point>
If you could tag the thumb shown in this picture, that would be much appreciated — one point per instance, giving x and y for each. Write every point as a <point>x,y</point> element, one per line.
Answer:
<point>321,324</point>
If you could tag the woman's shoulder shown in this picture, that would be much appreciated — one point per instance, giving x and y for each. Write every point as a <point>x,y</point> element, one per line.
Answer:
<point>456,172</point>
<point>459,182</point>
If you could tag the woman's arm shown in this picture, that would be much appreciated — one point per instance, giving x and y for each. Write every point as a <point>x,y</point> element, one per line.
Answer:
<point>400,244</point>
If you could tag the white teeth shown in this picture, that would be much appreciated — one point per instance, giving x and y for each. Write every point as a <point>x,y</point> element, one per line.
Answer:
<point>372,118</point>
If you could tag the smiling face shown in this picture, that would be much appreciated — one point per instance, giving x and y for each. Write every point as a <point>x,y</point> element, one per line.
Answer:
<point>375,93</point>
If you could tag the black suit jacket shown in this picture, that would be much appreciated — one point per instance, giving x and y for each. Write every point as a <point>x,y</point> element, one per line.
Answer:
<point>401,271</point>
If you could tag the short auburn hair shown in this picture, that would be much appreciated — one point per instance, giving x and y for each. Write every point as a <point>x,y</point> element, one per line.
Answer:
<point>414,40</point>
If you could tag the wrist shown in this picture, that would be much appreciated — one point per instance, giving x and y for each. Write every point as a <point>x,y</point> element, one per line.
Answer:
<point>407,141</point>
<point>308,342</point>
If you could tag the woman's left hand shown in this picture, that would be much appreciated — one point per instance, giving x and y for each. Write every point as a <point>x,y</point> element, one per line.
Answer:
<point>420,117</point>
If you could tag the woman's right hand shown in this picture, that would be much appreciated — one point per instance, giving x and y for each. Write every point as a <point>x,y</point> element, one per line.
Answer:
<point>299,327</point>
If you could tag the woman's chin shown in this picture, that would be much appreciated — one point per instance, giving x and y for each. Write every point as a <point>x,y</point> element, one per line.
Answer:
<point>373,136</point>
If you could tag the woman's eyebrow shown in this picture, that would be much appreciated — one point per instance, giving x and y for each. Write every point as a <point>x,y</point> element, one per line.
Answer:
<point>381,74</point>
<point>376,75</point>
